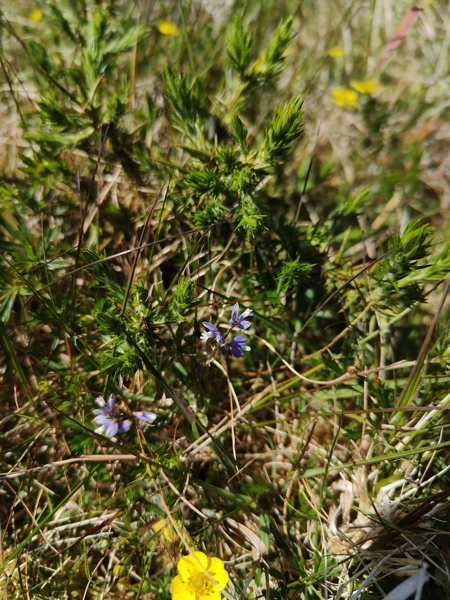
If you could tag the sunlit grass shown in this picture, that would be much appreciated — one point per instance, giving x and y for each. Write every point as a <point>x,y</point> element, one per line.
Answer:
<point>230,224</point>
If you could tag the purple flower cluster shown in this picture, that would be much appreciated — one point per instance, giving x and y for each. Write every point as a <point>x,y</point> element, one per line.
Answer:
<point>113,421</point>
<point>238,344</point>
<point>238,321</point>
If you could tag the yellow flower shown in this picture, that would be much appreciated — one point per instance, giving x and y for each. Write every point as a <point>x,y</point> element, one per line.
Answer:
<point>163,529</point>
<point>199,578</point>
<point>168,28</point>
<point>345,97</point>
<point>366,87</point>
<point>36,15</point>
<point>336,52</point>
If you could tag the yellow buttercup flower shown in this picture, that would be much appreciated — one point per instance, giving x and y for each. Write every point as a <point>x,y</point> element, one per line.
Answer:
<point>164,530</point>
<point>345,97</point>
<point>199,578</point>
<point>366,87</point>
<point>168,28</point>
<point>36,15</point>
<point>336,52</point>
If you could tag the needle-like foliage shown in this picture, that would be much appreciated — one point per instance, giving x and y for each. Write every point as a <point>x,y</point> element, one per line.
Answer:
<point>224,278</point>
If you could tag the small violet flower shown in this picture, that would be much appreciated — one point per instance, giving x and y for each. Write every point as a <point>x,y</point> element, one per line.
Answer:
<point>238,344</point>
<point>238,321</point>
<point>113,421</point>
<point>145,417</point>
<point>213,333</point>
<point>109,423</point>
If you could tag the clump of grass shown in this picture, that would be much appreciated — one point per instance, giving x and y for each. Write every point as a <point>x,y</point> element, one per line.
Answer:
<point>223,327</point>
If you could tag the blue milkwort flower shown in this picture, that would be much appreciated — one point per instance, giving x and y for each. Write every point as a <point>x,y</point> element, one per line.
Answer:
<point>145,417</point>
<point>213,333</point>
<point>113,421</point>
<point>109,422</point>
<point>237,346</point>
<point>238,321</point>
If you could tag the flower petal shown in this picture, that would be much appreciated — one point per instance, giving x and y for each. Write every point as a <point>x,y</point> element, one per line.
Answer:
<point>124,426</point>
<point>345,97</point>
<point>212,333</point>
<point>103,419</point>
<point>217,571</point>
<point>369,86</point>
<point>36,15</point>
<point>247,313</point>
<point>235,312</point>
<point>336,52</point>
<point>145,416</point>
<point>168,28</point>
<point>100,401</point>
<point>181,591</point>
<point>206,335</point>
<point>192,565</point>
<point>111,402</point>
<point>239,321</point>
<point>244,324</point>
<point>237,346</point>
<point>109,428</point>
